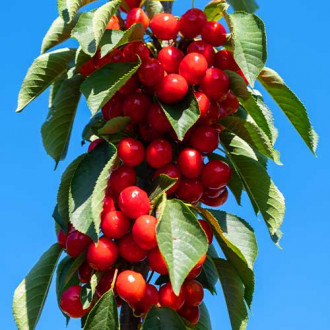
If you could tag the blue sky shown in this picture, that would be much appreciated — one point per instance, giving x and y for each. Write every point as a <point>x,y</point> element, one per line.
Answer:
<point>292,285</point>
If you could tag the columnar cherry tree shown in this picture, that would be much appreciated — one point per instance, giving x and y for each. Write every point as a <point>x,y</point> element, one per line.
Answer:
<point>176,119</point>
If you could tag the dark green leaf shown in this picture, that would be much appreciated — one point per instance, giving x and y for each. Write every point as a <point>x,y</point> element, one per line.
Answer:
<point>69,8</point>
<point>91,129</point>
<point>77,262</point>
<point>204,322</point>
<point>214,10</point>
<point>88,291</point>
<point>114,125</point>
<point>244,5</point>
<point>59,220</point>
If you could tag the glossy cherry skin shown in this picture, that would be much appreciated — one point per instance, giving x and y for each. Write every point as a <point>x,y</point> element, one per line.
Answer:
<point>87,68</point>
<point>215,84</point>
<point>190,190</point>
<point>76,243</point>
<point>173,172</point>
<point>144,232</point>
<point>224,60</point>
<point>115,225</point>
<point>203,104</point>
<point>216,174</point>
<point>203,48</point>
<point>131,86</point>
<point>230,104</point>
<point>172,88</point>
<point>93,144</point>
<point>131,286</point>
<point>61,238</point>
<point>113,24</point>
<point>193,293</point>
<point>150,299</point>
<point>167,297</point>
<point>192,314</point>
<point>151,72</point>
<point>103,254</point>
<point>157,119</point>
<point>130,250</point>
<point>190,162</point>
<point>136,107</point>
<point>121,178</point>
<point>195,272</point>
<point>113,108</point>
<point>135,50</point>
<point>213,115</point>
<point>164,26</point>
<point>205,139</point>
<point>131,152</point>
<point>105,282</point>
<point>157,262</point>
<point>149,133</point>
<point>214,33</point>
<point>108,205</point>
<point>170,57</point>
<point>159,153</point>
<point>218,201</point>
<point>134,202</point>
<point>213,193</point>
<point>192,22</point>
<point>193,67</point>
<point>70,303</point>
<point>85,272</point>
<point>137,15</point>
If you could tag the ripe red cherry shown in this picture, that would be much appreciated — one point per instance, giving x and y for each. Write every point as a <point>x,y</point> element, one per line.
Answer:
<point>173,172</point>
<point>151,72</point>
<point>213,193</point>
<point>208,230</point>
<point>131,152</point>
<point>131,286</point>
<point>105,282</point>
<point>130,250</point>
<point>85,272</point>
<point>103,254</point>
<point>167,297</point>
<point>137,15</point>
<point>214,33</point>
<point>172,88</point>
<point>87,68</point>
<point>164,26</point>
<point>157,119</point>
<point>224,60</point>
<point>149,133</point>
<point>216,174</point>
<point>121,178</point>
<point>190,190</point>
<point>157,262</point>
<point>215,84</point>
<point>170,57</point>
<point>76,243</point>
<point>134,202</point>
<point>159,153</point>
<point>192,22</point>
<point>61,238</point>
<point>108,205</point>
<point>192,314</point>
<point>136,107</point>
<point>205,139</point>
<point>113,24</point>
<point>203,48</point>
<point>70,303</point>
<point>213,115</point>
<point>113,108</point>
<point>218,201</point>
<point>93,144</point>
<point>193,67</point>
<point>203,104</point>
<point>193,293</point>
<point>131,86</point>
<point>150,299</point>
<point>115,225</point>
<point>130,4</point>
<point>230,104</point>
<point>195,272</point>
<point>190,162</point>
<point>144,232</point>
<point>136,49</point>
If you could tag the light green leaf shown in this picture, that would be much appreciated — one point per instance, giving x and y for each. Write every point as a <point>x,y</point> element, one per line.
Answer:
<point>114,125</point>
<point>153,7</point>
<point>291,106</point>
<point>31,294</point>
<point>214,10</point>
<point>69,8</point>
<point>43,72</point>
<point>249,6</point>
<point>159,186</point>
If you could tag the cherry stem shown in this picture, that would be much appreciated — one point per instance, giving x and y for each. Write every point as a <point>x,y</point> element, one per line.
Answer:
<point>114,279</point>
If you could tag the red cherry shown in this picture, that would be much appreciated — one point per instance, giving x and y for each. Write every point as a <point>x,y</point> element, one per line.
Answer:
<point>130,250</point>
<point>103,254</point>
<point>205,139</point>
<point>164,26</point>
<point>170,58</point>
<point>136,49</point>
<point>224,60</point>
<point>134,202</point>
<point>193,293</point>
<point>144,232</point>
<point>157,262</point>
<point>70,303</point>
<point>214,33</point>
<point>131,86</point>
<point>85,272</point>
<point>190,190</point>
<point>172,89</point>
<point>76,243</point>
<point>208,230</point>
<point>131,152</point>
<point>192,22</point>
<point>230,104</point>
<point>159,153</point>
<point>213,115</point>
<point>93,144</point>
<point>190,162</point>
<point>151,72</point>
<point>121,178</point>
<point>157,119</point>
<point>193,67</point>
<point>61,238</point>
<point>136,107</point>
<point>115,225</point>
<point>99,61</point>
<point>137,15</point>
<point>167,297</point>
<point>131,286</point>
<point>215,84</point>
<point>203,104</point>
<point>173,172</point>
<point>218,201</point>
<point>192,314</point>
<point>130,4</point>
<point>203,48</point>
<point>105,282</point>
<point>87,69</point>
<point>150,299</point>
<point>149,133</point>
<point>113,108</point>
<point>195,272</point>
<point>108,205</point>
<point>213,193</point>
<point>201,260</point>
<point>216,174</point>
<point>113,24</point>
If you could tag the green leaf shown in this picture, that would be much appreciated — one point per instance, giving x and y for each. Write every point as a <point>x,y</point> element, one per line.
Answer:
<point>233,290</point>
<point>153,7</point>
<point>100,86</point>
<point>104,314</point>
<point>214,10</point>
<point>43,72</point>
<point>114,125</point>
<point>88,188</point>
<point>69,8</point>
<point>30,295</point>
<point>77,262</point>
<point>182,115</point>
<point>181,241</point>
<point>290,105</point>
<point>59,221</point>
<point>204,322</point>
<point>162,318</point>
<point>88,291</point>
<point>91,129</point>
<point>56,131</point>
<point>81,58</point>
<point>259,186</point>
<point>249,6</point>
<point>249,40</point>
<point>160,185</point>
<point>58,32</point>
<point>238,85</point>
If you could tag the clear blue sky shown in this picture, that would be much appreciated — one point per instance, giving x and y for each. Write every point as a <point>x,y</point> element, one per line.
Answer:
<point>292,285</point>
